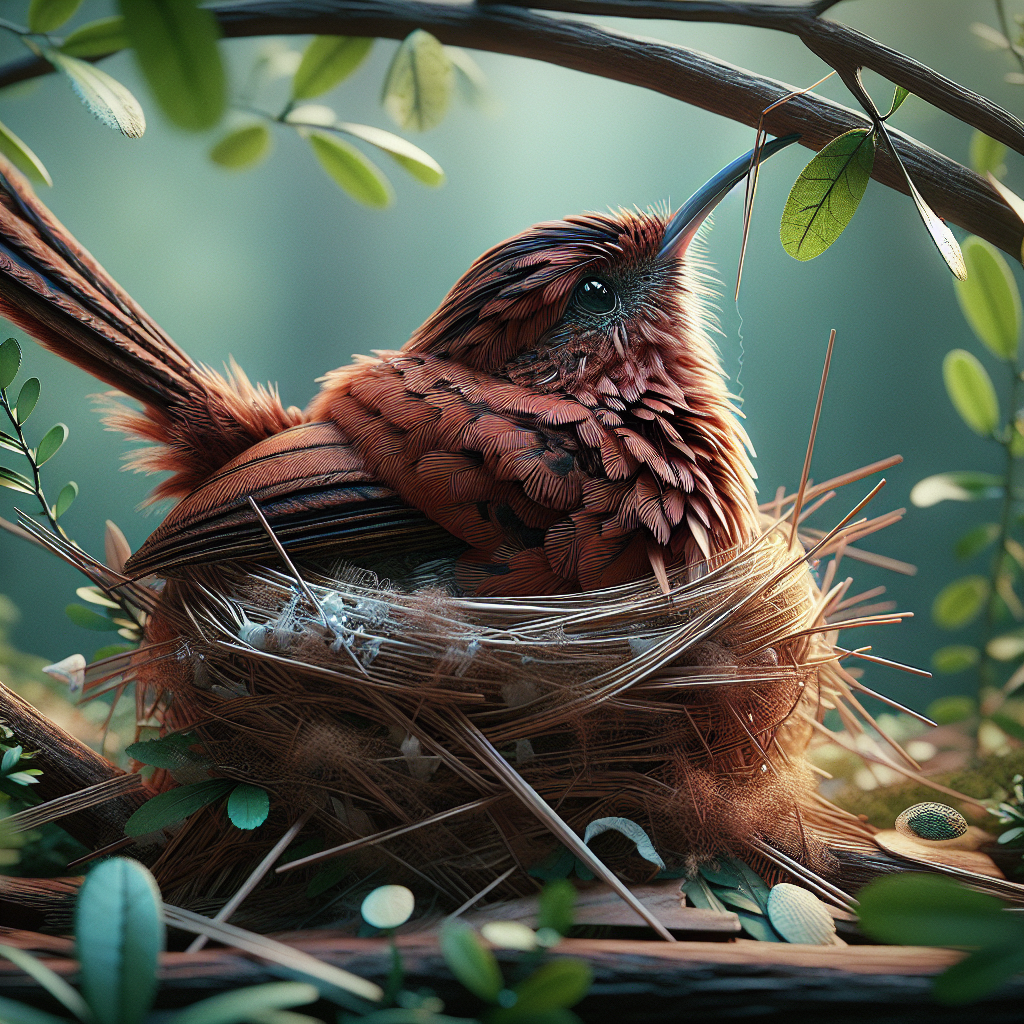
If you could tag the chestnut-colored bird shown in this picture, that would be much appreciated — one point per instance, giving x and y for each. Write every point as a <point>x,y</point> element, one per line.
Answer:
<point>561,421</point>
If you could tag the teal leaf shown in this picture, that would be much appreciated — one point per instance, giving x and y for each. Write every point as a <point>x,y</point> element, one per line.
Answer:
<point>328,60</point>
<point>557,864</point>
<point>175,43</point>
<point>420,165</point>
<point>470,960</point>
<point>51,443</point>
<point>360,178</point>
<point>12,1012</point>
<point>47,979</point>
<point>27,398</point>
<point>11,757</point>
<point>119,934</point>
<point>48,15</point>
<point>989,298</point>
<point>960,602</point>
<point>175,805</point>
<point>67,495</point>
<point>243,147</point>
<point>955,708</point>
<point>631,830</point>
<point>701,895</point>
<point>105,97</point>
<point>739,900</point>
<point>419,83</point>
<point>97,38</point>
<point>971,391</point>
<point>557,906</point>
<point>966,485</point>
<point>757,926</point>
<point>825,197</point>
<point>25,778</point>
<point>954,658</point>
<point>170,752</point>
<point>19,153</point>
<point>249,1003</point>
<point>88,619</point>
<point>897,100</point>
<point>15,481</point>
<point>987,155</point>
<point>248,806</point>
<point>10,362</point>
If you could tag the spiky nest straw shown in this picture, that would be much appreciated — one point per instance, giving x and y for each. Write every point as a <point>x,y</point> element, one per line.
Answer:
<point>377,706</point>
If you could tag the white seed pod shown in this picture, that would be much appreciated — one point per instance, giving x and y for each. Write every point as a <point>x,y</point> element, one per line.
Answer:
<point>799,916</point>
<point>388,906</point>
<point>931,821</point>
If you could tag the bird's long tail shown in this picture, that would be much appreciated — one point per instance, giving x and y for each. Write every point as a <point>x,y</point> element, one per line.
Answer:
<point>53,289</point>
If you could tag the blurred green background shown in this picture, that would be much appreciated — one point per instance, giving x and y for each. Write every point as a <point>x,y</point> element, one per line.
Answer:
<point>280,269</point>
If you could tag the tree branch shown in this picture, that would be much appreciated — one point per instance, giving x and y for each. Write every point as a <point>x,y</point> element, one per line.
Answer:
<point>954,192</point>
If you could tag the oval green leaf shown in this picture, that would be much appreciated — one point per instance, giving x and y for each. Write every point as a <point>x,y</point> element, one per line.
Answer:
<point>970,390</point>
<point>48,15</point>
<point>65,499</point>
<point>15,481</point>
<point>171,752</point>
<point>420,165</point>
<point>88,619</point>
<point>22,157</point>
<point>254,1002</point>
<point>954,708</point>
<point>987,155</point>
<point>981,973</point>
<point>360,178</point>
<point>419,83</point>
<point>10,362</point>
<point>27,398</point>
<point>470,960</point>
<point>175,805</point>
<point>826,195</point>
<point>955,658</point>
<point>243,147</point>
<point>557,904</point>
<point>97,39</point>
<point>1007,647</point>
<point>327,61</point>
<point>897,100</point>
<point>989,298</point>
<point>51,443</point>
<point>469,78</point>
<point>248,806</point>
<point>967,485</point>
<point>105,97</point>
<point>556,985</point>
<point>120,934</point>
<point>973,542</point>
<point>960,602</point>
<point>175,43</point>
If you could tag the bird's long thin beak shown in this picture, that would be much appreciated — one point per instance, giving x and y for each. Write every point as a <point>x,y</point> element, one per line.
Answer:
<point>689,217</point>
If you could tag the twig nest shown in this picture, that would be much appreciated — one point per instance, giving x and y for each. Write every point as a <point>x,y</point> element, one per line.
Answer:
<point>931,821</point>
<point>799,916</point>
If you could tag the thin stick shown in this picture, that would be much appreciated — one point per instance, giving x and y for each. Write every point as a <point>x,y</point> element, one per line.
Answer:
<point>62,806</point>
<point>482,893</point>
<point>860,653</point>
<point>253,880</point>
<point>810,442</point>
<point>103,851</point>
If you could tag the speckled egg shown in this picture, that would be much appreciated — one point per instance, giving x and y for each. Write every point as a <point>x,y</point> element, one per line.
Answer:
<point>931,821</point>
<point>799,916</point>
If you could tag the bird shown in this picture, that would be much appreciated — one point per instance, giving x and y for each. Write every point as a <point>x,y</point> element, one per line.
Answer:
<point>561,422</point>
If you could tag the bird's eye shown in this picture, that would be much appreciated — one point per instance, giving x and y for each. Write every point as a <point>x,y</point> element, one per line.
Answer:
<point>594,296</point>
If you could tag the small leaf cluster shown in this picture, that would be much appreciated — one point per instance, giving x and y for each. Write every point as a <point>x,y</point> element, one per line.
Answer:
<point>1010,811</point>
<point>15,767</point>
<point>248,806</point>
<point>932,910</point>
<point>734,886</point>
<point>828,192</point>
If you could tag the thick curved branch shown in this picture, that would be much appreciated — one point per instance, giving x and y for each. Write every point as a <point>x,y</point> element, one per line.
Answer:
<point>954,192</point>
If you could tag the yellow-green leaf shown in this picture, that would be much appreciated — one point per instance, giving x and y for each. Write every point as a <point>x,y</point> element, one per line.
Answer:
<point>1006,647</point>
<point>987,155</point>
<point>106,98</point>
<point>418,86</point>
<point>97,38</point>
<point>360,178</point>
<point>967,485</point>
<point>960,602</point>
<point>971,392</point>
<point>243,147</point>
<point>989,298</point>
<point>420,165</point>
<point>897,100</point>
<point>955,658</point>
<point>65,499</point>
<point>48,15</point>
<point>327,61</point>
<point>470,960</point>
<point>826,195</point>
<point>22,157</point>
<point>175,43</point>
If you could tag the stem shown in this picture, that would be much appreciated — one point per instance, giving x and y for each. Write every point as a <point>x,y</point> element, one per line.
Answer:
<point>1004,24</point>
<point>27,452</point>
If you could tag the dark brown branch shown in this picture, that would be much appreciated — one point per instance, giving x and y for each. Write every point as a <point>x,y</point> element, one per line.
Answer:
<point>954,192</point>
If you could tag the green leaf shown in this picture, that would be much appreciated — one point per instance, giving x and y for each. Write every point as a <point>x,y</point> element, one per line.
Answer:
<point>1007,647</point>
<point>11,443</point>
<point>555,985</point>
<point>97,38</point>
<point>557,906</point>
<point>119,933</point>
<point>960,602</point>
<point>470,960</point>
<point>51,443</point>
<point>955,658</point>
<point>10,362</point>
<point>243,147</point>
<point>327,61</point>
<point>175,805</point>
<point>175,43</point>
<point>420,165</point>
<point>987,155</point>
<point>958,708</point>
<point>171,752</point>
<point>12,1012</point>
<point>22,157</point>
<point>105,97</point>
<point>88,619</point>
<point>826,195</point>
<point>897,100</point>
<point>975,541</point>
<point>631,830</point>
<point>1009,725</point>
<point>248,1003</point>
<point>47,979</point>
<point>982,972</point>
<point>966,485</point>
<point>360,178</point>
<point>989,298</point>
<point>48,15</point>
<point>27,398</point>
<point>469,78</point>
<point>971,392</point>
<point>701,895</point>
<point>15,481</point>
<point>67,495</point>
<point>418,86</point>
<point>111,649</point>
<point>328,876</point>
<point>248,806</point>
